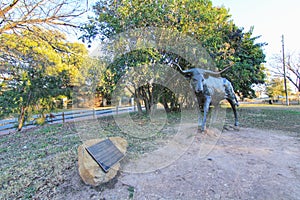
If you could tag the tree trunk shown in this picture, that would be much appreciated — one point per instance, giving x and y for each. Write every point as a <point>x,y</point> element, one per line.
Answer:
<point>138,103</point>
<point>165,104</point>
<point>147,105</point>
<point>23,112</point>
<point>143,94</point>
<point>21,119</point>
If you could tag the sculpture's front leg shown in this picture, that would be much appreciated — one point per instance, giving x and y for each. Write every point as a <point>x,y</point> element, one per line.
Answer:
<point>206,108</point>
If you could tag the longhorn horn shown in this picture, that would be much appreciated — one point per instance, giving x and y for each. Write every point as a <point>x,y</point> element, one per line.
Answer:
<point>179,68</point>
<point>220,72</point>
<point>185,72</point>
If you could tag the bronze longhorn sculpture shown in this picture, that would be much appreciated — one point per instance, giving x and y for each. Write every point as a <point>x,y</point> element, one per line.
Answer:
<point>206,85</point>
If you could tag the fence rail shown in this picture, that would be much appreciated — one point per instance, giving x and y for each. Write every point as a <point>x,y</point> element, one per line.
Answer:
<point>11,124</point>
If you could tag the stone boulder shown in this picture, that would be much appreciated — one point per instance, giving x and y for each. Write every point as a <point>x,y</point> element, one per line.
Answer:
<point>90,172</point>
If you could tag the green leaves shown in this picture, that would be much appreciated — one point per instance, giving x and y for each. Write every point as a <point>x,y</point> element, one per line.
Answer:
<point>212,26</point>
<point>39,66</point>
<point>275,88</point>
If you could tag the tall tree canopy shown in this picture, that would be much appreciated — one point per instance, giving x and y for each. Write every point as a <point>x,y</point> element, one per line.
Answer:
<point>36,61</point>
<point>33,72</point>
<point>212,26</point>
<point>18,17</point>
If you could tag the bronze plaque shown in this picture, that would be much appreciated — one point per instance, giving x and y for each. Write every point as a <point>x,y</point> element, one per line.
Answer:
<point>105,153</point>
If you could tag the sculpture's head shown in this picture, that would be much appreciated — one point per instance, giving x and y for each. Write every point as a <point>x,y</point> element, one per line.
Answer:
<point>197,78</point>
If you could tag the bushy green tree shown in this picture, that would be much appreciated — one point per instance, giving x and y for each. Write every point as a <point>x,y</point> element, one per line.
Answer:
<point>212,26</point>
<point>275,88</point>
<point>34,71</point>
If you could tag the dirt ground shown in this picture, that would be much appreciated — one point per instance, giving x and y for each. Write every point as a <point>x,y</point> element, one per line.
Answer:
<point>241,164</point>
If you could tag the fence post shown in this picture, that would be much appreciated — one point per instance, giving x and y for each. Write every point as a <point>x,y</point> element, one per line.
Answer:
<point>94,113</point>
<point>132,104</point>
<point>63,117</point>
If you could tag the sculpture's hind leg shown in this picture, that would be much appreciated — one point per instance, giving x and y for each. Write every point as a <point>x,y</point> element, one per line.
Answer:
<point>233,106</point>
<point>229,92</point>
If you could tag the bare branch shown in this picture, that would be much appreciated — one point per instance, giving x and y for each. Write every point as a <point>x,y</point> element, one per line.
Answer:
<point>8,8</point>
<point>292,81</point>
<point>21,14</point>
<point>293,69</point>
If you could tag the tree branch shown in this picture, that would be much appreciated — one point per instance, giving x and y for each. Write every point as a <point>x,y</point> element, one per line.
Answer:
<point>20,15</point>
<point>8,8</point>
<point>291,80</point>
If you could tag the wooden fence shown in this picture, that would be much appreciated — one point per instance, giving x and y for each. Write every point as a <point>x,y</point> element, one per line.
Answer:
<point>62,117</point>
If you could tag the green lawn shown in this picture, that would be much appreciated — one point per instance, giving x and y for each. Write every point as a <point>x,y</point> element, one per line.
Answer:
<point>33,163</point>
<point>275,117</point>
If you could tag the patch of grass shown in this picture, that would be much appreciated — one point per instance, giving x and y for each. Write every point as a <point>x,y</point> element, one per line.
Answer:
<point>268,117</point>
<point>32,159</point>
<point>34,163</point>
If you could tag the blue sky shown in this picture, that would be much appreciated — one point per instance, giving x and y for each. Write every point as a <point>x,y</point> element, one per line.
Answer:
<point>271,19</point>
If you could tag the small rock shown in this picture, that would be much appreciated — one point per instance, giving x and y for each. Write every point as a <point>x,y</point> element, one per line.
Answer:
<point>89,170</point>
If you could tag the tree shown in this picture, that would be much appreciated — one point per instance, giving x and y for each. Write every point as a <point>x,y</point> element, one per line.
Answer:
<point>20,16</point>
<point>119,68</point>
<point>275,88</point>
<point>34,72</point>
<point>293,66</point>
<point>292,63</point>
<point>211,25</point>
<point>247,57</point>
<point>36,62</point>
<point>17,15</point>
